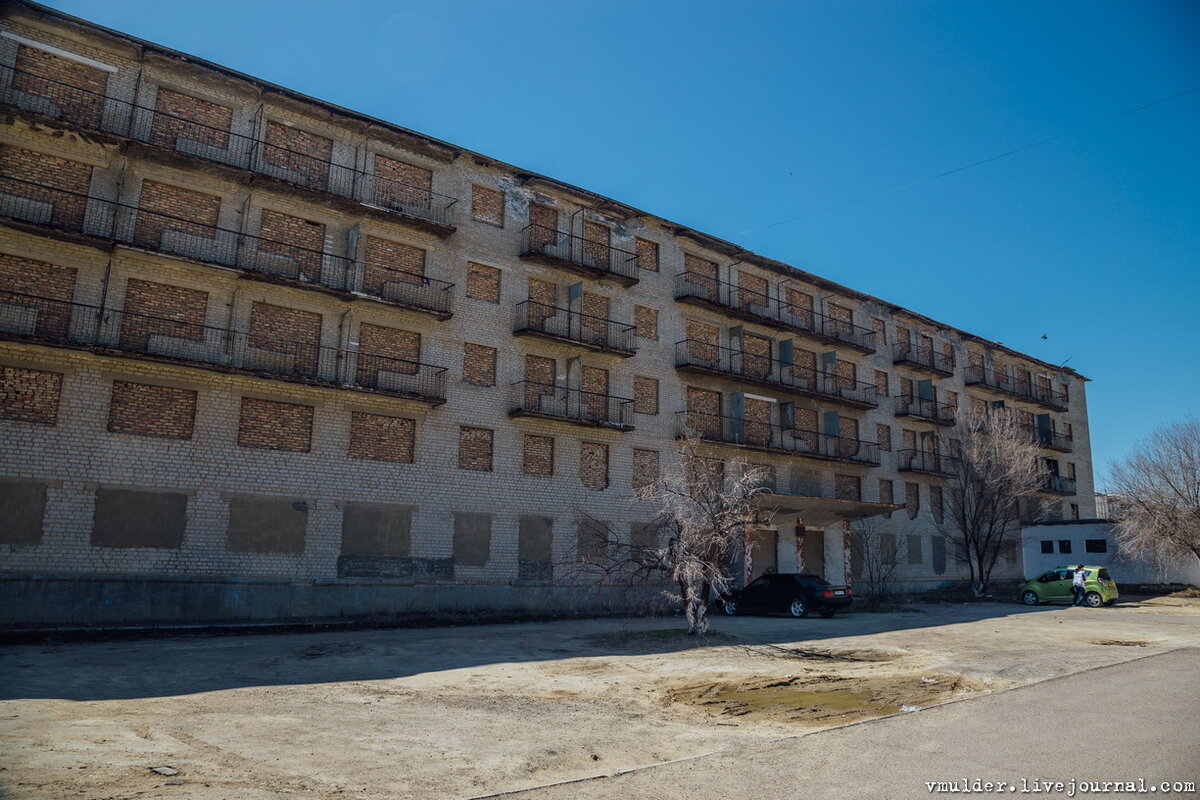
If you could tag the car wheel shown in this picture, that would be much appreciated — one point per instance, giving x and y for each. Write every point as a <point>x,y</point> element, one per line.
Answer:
<point>1030,598</point>
<point>1093,599</point>
<point>731,608</point>
<point>797,609</point>
<point>827,613</point>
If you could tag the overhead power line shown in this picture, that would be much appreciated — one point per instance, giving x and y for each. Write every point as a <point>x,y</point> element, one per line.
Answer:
<point>973,164</point>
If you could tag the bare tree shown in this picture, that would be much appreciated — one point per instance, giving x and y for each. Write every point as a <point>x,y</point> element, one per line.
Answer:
<point>1159,489</point>
<point>993,466</point>
<point>702,506</point>
<point>875,553</point>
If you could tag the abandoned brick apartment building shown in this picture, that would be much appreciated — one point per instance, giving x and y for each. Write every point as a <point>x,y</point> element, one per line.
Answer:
<point>266,358</point>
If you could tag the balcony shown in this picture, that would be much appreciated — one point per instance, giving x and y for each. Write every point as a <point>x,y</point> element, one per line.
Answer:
<point>926,462</point>
<point>1047,438</point>
<point>594,259</point>
<point>545,401</point>
<point>734,301</point>
<point>924,359</point>
<point>1055,484</point>
<point>773,438</point>
<point>280,261</point>
<point>698,357</point>
<point>926,410</point>
<point>575,328</point>
<point>978,375</point>
<point>414,205</point>
<point>42,320</point>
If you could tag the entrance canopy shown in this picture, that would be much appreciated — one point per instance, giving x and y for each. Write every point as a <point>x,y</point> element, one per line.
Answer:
<point>821,512</point>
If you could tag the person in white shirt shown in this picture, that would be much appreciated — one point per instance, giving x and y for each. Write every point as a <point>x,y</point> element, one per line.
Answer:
<point>1077,585</point>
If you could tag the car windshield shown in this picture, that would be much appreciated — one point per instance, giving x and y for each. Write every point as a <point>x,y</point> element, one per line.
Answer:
<point>813,580</point>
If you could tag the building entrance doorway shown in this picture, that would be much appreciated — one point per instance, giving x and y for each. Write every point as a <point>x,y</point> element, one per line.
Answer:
<point>812,552</point>
<point>764,553</point>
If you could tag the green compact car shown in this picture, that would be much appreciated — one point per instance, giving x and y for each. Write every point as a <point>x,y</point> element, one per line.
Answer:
<point>1055,587</point>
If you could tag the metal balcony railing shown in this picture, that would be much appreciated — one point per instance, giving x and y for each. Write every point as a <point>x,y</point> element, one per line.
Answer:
<point>928,410</point>
<point>532,398</point>
<point>929,358</point>
<point>1047,437</point>
<point>177,236</point>
<point>1056,484</point>
<point>98,112</point>
<point>596,333</point>
<point>771,436</point>
<point>930,462</point>
<point>51,321</point>
<point>695,355</point>
<point>977,374</point>
<point>771,310</point>
<point>596,258</point>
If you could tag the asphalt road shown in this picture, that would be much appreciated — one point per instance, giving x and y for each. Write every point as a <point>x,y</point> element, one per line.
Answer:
<point>1136,720</point>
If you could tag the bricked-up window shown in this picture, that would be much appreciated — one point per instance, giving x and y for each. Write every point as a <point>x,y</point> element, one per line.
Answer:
<point>645,470</point>
<point>260,524</point>
<point>475,448</point>
<point>914,546</point>
<point>756,356</point>
<point>401,185</point>
<point>593,465</point>
<point>379,438</point>
<point>483,283</point>
<point>936,503</point>
<point>912,499</point>
<point>283,339</point>
<point>881,383</point>
<point>645,395</point>
<point>978,407</point>
<point>950,398</point>
<point>48,318</point>
<point>645,322</point>
<point>152,410</point>
<point>535,548</point>
<point>597,241</point>
<point>886,494</point>
<point>479,364</point>
<point>1074,511</point>
<point>703,341</point>
<point>592,543</point>
<point>644,535</point>
<point>30,395</point>
<point>472,539</point>
<point>841,318</point>
<point>883,436</point>
<point>704,411</point>
<point>487,205</point>
<point>127,518</point>
<point>75,89</point>
<point>376,529</point>
<point>799,305</point>
<point>543,230</point>
<point>647,253</point>
<point>880,329</point>
<point>291,246</point>
<point>908,439</point>
<point>22,507</point>
<point>751,290</point>
<point>388,267</point>
<point>702,274</point>
<point>847,487</point>
<point>272,425</point>
<point>183,120</point>
<point>538,455</point>
<point>383,352</point>
<point>167,214</point>
<point>60,198</point>
<point>304,157</point>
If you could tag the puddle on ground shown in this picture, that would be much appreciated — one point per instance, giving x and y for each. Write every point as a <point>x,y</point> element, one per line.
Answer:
<point>808,700</point>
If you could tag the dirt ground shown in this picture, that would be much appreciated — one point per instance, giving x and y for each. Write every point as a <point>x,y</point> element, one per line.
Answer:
<point>461,712</point>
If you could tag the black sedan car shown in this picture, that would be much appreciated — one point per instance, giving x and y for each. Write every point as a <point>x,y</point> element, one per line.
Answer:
<point>790,593</point>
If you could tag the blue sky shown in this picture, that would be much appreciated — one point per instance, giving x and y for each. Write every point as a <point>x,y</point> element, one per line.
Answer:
<point>733,117</point>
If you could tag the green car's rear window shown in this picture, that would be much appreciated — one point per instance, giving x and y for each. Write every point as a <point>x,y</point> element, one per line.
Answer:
<point>1104,576</point>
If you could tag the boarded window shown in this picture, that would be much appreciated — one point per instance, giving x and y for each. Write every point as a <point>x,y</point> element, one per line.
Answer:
<point>376,529</point>
<point>592,542</point>
<point>126,518</point>
<point>472,539</point>
<point>22,506</point>
<point>912,499</point>
<point>535,548</point>
<point>886,494</point>
<point>483,283</point>
<point>915,556</point>
<point>936,503</point>
<point>939,555</point>
<point>266,524</point>
<point>643,535</point>
<point>487,205</point>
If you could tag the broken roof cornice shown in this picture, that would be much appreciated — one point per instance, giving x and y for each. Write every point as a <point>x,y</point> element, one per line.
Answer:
<point>449,152</point>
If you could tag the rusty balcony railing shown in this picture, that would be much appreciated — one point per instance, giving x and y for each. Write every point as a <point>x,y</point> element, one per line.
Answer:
<point>925,409</point>
<point>176,236</point>
<point>768,309</point>
<point>923,357</point>
<point>694,355</point>
<point>770,436</point>
<point>95,111</point>
<point>1056,484</point>
<point>1048,437</point>
<point>563,324</point>
<point>979,375</point>
<point>192,342</point>
<point>598,259</point>
<point>532,398</point>
<point>929,462</point>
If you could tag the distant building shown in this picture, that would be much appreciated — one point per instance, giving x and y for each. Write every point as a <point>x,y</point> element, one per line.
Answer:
<point>1091,541</point>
